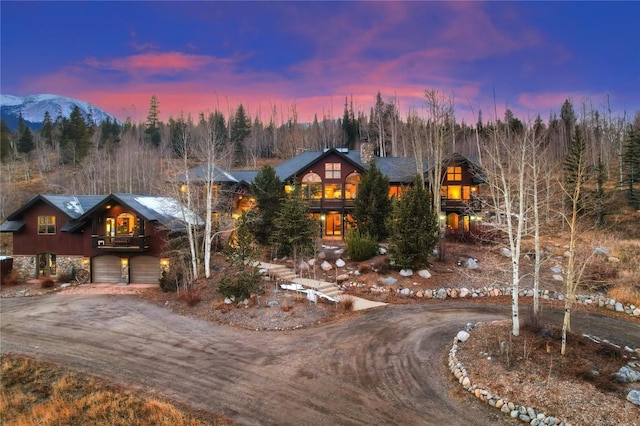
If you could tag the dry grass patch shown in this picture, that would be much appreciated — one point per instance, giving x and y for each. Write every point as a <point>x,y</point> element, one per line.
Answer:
<point>38,393</point>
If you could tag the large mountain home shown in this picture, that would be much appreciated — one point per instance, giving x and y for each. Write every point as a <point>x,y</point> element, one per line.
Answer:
<point>117,238</point>
<point>329,180</point>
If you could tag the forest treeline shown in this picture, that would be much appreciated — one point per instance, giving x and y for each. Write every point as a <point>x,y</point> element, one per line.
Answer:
<point>77,156</point>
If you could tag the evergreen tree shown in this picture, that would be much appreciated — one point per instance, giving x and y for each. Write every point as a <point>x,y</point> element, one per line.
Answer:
<point>294,230</point>
<point>109,134</point>
<point>600,198</point>
<point>5,141</point>
<point>153,122</point>
<point>414,229</point>
<point>574,161</point>
<point>47,128</point>
<point>25,138</point>
<point>269,193</point>
<point>631,166</point>
<point>240,130</point>
<point>75,140</point>
<point>242,255</point>
<point>372,204</point>
<point>349,126</point>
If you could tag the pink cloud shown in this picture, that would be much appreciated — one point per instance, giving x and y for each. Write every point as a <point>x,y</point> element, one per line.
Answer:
<point>168,62</point>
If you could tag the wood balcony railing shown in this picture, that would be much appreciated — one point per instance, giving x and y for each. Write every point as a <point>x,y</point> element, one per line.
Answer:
<point>473,204</point>
<point>121,242</point>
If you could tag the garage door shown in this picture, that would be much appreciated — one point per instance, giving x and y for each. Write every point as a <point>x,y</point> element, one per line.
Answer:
<point>144,270</point>
<point>105,269</point>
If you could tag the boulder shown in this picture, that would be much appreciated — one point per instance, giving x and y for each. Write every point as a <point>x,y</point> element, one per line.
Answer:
<point>303,266</point>
<point>382,250</point>
<point>388,280</point>
<point>406,272</point>
<point>601,250</point>
<point>462,336</point>
<point>464,292</point>
<point>405,292</point>
<point>342,277</point>
<point>558,277</point>
<point>441,293</point>
<point>340,263</point>
<point>471,264</point>
<point>424,273</point>
<point>634,397</point>
<point>326,266</point>
<point>505,252</point>
<point>627,374</point>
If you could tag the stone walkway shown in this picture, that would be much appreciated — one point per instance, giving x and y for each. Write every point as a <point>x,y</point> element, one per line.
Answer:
<point>326,288</point>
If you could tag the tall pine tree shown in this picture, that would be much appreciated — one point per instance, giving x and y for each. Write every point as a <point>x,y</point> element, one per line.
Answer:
<point>631,166</point>
<point>414,229</point>
<point>25,138</point>
<point>5,141</point>
<point>240,130</point>
<point>269,193</point>
<point>372,205</point>
<point>294,230</point>
<point>574,162</point>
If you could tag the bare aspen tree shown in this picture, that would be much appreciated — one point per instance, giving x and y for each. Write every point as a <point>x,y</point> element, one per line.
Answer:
<point>184,148</point>
<point>209,150</point>
<point>537,154</point>
<point>438,113</point>
<point>576,161</point>
<point>507,167</point>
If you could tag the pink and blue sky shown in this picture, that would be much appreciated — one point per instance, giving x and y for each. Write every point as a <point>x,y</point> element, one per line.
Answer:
<point>199,56</point>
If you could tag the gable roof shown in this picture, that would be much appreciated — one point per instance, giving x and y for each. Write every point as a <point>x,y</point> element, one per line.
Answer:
<point>78,208</point>
<point>72,206</point>
<point>200,174</point>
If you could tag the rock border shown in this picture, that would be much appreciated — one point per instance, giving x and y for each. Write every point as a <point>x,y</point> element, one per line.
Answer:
<point>595,300</point>
<point>523,413</point>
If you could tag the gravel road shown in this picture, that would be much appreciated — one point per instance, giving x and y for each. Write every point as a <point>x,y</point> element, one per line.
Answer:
<point>385,367</point>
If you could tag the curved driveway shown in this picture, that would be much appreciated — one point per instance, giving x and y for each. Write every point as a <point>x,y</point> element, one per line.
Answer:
<point>384,367</point>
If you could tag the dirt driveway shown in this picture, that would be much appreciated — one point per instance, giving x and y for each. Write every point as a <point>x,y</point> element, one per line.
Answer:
<point>384,367</point>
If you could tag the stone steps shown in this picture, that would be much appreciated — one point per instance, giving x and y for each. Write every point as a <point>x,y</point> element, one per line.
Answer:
<point>281,272</point>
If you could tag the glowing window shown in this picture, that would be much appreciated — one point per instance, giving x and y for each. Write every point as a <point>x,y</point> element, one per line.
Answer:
<point>351,186</point>
<point>46,225</point>
<point>311,186</point>
<point>454,192</point>
<point>332,170</point>
<point>454,173</point>
<point>333,191</point>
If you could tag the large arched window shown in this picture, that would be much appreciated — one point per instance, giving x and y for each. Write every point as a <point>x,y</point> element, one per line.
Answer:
<point>311,186</point>
<point>351,186</point>
<point>125,224</point>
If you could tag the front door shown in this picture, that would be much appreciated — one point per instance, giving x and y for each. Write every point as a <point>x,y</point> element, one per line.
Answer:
<point>333,226</point>
<point>45,264</point>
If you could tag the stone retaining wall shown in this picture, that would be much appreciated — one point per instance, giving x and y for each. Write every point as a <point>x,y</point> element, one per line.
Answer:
<point>25,266</point>
<point>521,412</point>
<point>599,301</point>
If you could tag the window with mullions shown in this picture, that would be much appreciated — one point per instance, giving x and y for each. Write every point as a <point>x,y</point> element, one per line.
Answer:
<point>311,186</point>
<point>46,225</point>
<point>454,173</point>
<point>332,170</point>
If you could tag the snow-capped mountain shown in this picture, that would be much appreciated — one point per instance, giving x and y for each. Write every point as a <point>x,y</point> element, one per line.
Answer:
<point>33,108</point>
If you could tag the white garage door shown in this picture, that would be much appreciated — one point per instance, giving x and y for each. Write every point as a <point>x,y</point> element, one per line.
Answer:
<point>105,269</point>
<point>144,270</point>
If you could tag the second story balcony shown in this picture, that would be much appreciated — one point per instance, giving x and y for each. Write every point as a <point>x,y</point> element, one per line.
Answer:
<point>133,243</point>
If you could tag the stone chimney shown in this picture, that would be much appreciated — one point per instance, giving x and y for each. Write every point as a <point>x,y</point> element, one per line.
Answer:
<point>366,152</point>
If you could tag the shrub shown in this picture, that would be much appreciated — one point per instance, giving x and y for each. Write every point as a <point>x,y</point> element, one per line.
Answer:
<point>347,302</point>
<point>10,279</point>
<point>242,286</point>
<point>48,283</point>
<point>169,282</point>
<point>191,297</point>
<point>360,246</point>
<point>65,277</point>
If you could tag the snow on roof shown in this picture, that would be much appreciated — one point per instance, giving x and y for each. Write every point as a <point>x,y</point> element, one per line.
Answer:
<point>169,208</point>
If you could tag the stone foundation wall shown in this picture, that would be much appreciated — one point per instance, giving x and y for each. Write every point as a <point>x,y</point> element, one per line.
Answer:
<point>24,267</point>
